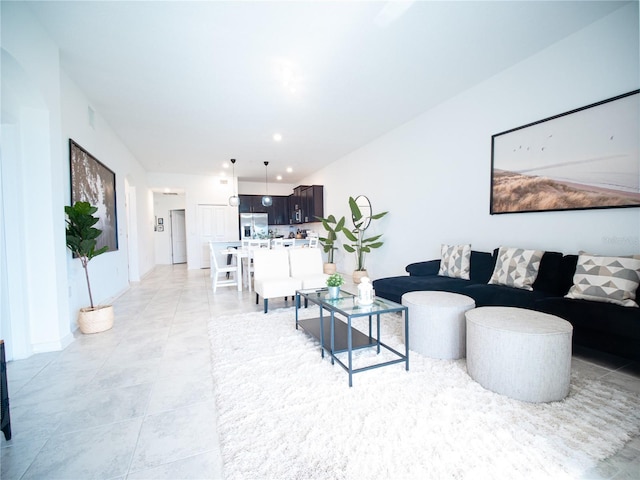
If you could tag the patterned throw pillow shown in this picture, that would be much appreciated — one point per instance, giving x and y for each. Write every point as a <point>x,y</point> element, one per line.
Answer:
<point>606,279</point>
<point>455,261</point>
<point>516,267</point>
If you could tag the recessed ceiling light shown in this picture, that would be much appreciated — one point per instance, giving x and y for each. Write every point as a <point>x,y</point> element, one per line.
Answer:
<point>289,169</point>
<point>279,177</point>
<point>225,165</point>
<point>277,137</point>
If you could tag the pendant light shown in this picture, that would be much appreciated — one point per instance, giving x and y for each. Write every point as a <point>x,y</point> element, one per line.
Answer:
<point>234,200</point>
<point>267,201</point>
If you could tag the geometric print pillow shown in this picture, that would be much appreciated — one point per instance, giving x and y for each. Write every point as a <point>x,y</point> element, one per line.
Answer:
<point>606,279</point>
<point>516,267</point>
<point>455,261</point>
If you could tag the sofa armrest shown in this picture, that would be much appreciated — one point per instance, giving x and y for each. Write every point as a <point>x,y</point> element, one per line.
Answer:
<point>423,269</point>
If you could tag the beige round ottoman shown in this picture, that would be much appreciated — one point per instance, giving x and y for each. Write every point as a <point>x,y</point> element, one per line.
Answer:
<point>520,353</point>
<point>437,325</point>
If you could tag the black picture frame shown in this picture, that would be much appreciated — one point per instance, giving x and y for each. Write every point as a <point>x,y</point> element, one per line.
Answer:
<point>92,181</point>
<point>586,158</point>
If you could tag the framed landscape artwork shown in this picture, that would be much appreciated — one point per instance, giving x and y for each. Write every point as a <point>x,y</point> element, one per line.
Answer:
<point>582,159</point>
<point>93,182</point>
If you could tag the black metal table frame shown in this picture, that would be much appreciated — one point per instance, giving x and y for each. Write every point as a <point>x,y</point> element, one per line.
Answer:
<point>317,296</point>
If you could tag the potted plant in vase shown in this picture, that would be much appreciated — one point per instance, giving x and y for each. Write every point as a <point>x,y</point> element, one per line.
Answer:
<point>329,242</point>
<point>359,244</point>
<point>334,282</point>
<point>81,240</point>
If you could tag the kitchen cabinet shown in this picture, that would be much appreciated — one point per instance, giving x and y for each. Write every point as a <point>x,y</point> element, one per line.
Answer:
<point>278,212</point>
<point>308,203</point>
<point>251,204</point>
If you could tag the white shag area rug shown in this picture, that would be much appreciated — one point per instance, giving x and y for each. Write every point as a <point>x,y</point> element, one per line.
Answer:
<point>286,413</point>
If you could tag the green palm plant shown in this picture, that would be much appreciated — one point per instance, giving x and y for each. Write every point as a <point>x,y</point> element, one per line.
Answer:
<point>332,226</point>
<point>82,236</point>
<point>359,244</point>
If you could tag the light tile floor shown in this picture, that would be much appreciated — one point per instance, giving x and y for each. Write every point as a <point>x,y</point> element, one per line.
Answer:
<point>136,402</point>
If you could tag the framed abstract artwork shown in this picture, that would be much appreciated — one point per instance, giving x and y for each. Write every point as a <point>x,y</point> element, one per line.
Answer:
<point>94,182</point>
<point>583,159</point>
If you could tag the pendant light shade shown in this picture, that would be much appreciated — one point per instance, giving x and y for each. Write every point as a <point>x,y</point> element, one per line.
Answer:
<point>267,201</point>
<point>234,200</point>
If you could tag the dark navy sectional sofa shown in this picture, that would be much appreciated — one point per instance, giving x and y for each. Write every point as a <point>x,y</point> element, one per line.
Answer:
<point>602,326</point>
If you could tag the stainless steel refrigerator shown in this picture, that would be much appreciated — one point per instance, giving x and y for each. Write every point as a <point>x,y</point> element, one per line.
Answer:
<point>254,225</point>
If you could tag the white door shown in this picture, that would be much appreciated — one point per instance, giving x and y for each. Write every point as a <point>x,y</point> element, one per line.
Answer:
<point>178,237</point>
<point>212,224</point>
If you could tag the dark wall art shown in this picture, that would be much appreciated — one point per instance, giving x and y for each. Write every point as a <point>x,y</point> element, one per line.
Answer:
<point>93,182</point>
<point>583,159</point>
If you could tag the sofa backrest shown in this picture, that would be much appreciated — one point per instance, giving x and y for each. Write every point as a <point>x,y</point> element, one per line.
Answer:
<point>551,275</point>
<point>482,265</point>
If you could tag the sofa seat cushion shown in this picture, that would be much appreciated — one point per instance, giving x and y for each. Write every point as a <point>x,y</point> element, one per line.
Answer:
<point>597,316</point>
<point>500,295</point>
<point>392,288</point>
<point>603,326</point>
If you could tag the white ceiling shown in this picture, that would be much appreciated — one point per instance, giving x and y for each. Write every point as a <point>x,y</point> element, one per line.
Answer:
<point>188,85</point>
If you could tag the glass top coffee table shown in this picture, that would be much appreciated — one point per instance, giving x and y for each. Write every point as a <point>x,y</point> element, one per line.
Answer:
<point>333,329</point>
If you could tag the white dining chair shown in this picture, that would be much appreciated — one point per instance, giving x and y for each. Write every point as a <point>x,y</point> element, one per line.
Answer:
<point>222,276</point>
<point>248,269</point>
<point>313,241</point>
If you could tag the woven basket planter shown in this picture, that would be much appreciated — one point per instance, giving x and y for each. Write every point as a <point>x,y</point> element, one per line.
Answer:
<point>358,274</point>
<point>329,268</point>
<point>95,320</point>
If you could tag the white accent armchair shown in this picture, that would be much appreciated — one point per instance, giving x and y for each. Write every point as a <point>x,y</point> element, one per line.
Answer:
<point>271,275</point>
<point>306,266</point>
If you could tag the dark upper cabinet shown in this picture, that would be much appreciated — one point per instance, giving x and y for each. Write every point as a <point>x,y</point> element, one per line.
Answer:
<point>278,212</point>
<point>251,204</point>
<point>307,203</point>
<point>313,203</point>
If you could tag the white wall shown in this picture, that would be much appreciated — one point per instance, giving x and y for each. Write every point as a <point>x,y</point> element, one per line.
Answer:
<point>258,188</point>
<point>109,272</point>
<point>433,173</point>
<point>199,190</point>
<point>35,293</point>
<point>41,110</point>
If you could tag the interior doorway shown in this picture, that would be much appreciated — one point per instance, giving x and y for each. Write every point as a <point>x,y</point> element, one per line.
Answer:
<point>178,237</point>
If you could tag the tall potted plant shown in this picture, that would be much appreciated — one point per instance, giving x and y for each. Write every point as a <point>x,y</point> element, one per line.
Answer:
<point>81,238</point>
<point>332,226</point>
<point>361,245</point>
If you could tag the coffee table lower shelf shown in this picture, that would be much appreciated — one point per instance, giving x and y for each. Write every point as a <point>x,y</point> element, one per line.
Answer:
<point>359,340</point>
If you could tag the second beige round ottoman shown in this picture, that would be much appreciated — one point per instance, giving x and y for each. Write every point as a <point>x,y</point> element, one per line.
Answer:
<point>437,326</point>
<point>520,353</point>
